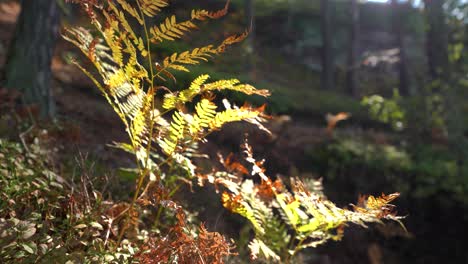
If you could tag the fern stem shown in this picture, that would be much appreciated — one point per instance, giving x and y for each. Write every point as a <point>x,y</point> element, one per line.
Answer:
<point>296,249</point>
<point>145,171</point>
<point>150,62</point>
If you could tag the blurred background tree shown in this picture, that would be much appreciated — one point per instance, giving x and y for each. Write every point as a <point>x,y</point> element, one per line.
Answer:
<point>30,55</point>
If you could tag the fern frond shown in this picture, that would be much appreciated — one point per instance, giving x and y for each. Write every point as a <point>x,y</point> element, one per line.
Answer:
<point>233,84</point>
<point>205,112</point>
<point>177,61</point>
<point>170,29</point>
<point>259,249</point>
<point>290,211</point>
<point>118,19</point>
<point>131,10</point>
<point>175,134</point>
<point>236,204</point>
<point>151,7</point>
<point>193,57</point>
<point>312,219</point>
<point>234,115</point>
<point>172,100</point>
<point>204,14</point>
<point>83,39</point>
<point>195,87</point>
<point>131,103</point>
<point>117,79</point>
<point>233,39</point>
<point>142,121</point>
<point>94,50</point>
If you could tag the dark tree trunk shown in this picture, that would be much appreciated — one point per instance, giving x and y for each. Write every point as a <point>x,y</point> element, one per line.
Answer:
<point>353,63</point>
<point>398,31</point>
<point>289,21</point>
<point>327,60</point>
<point>30,55</point>
<point>250,19</point>
<point>437,39</point>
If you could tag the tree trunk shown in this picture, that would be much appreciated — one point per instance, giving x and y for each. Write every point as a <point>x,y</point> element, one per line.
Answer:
<point>327,60</point>
<point>30,55</point>
<point>398,31</point>
<point>437,39</point>
<point>353,63</point>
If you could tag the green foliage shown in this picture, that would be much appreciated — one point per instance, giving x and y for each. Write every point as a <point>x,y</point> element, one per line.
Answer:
<point>43,220</point>
<point>385,110</point>
<point>420,172</point>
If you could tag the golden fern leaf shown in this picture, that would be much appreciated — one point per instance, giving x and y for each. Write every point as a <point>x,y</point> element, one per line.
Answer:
<point>198,82</point>
<point>114,43</point>
<point>91,48</point>
<point>205,112</point>
<point>237,204</point>
<point>172,100</point>
<point>189,57</point>
<point>127,29</point>
<point>170,29</point>
<point>221,84</point>
<point>130,10</point>
<point>233,84</point>
<point>134,71</point>
<point>152,7</point>
<point>127,94</point>
<point>116,80</point>
<point>142,121</point>
<point>233,115</point>
<point>175,134</point>
<point>194,88</point>
<point>233,39</point>
<point>119,19</point>
<point>204,14</point>
<point>195,56</point>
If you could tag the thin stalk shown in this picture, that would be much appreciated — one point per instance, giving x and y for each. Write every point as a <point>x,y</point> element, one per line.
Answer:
<point>145,171</point>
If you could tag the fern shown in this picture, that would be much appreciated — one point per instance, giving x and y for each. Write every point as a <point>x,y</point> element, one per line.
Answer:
<point>284,219</point>
<point>179,61</point>
<point>176,134</point>
<point>310,218</point>
<point>198,86</point>
<point>170,30</point>
<point>131,11</point>
<point>152,7</point>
